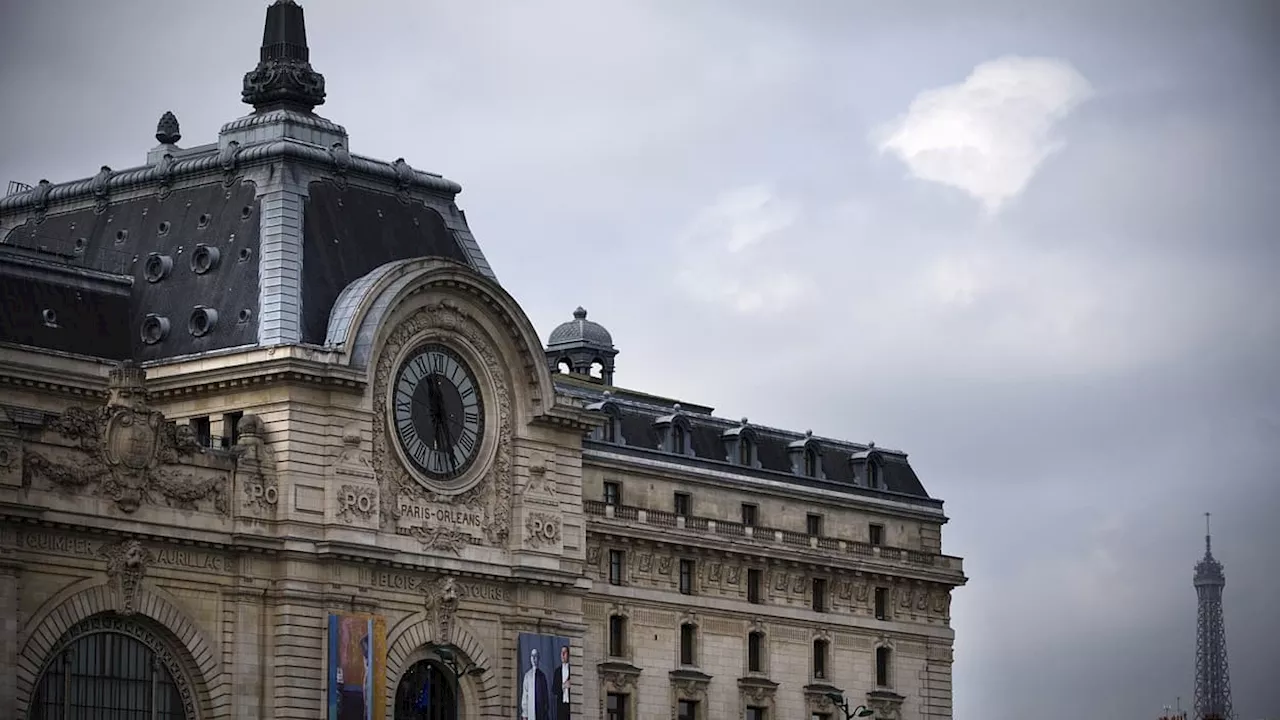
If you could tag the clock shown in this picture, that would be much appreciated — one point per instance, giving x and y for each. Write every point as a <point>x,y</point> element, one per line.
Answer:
<point>437,412</point>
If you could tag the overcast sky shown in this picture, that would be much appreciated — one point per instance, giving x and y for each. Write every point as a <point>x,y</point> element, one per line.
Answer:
<point>1034,245</point>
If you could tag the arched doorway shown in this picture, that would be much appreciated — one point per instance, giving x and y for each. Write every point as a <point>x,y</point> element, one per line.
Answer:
<point>107,674</point>
<point>426,691</point>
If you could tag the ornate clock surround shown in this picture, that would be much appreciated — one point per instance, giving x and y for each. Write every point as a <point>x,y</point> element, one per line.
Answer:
<point>487,483</point>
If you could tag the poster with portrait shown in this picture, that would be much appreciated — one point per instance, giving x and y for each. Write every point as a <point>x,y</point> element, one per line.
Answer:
<point>545,678</point>
<point>357,676</point>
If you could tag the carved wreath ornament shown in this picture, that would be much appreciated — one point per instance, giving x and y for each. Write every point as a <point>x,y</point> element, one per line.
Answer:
<point>543,529</point>
<point>493,492</point>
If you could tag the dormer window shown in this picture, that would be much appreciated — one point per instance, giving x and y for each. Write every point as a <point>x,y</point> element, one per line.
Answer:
<point>611,430</point>
<point>675,433</point>
<point>806,456</point>
<point>873,473</point>
<point>868,468</point>
<point>740,445</point>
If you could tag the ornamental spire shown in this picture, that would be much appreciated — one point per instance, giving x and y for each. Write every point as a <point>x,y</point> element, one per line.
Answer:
<point>284,78</point>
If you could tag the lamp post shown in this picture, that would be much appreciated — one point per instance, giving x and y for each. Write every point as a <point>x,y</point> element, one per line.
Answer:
<point>859,712</point>
<point>448,656</point>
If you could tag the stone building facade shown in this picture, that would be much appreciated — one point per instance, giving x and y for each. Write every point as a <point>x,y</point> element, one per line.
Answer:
<point>275,443</point>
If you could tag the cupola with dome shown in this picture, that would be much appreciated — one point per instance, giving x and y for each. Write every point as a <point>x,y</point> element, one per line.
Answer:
<point>582,347</point>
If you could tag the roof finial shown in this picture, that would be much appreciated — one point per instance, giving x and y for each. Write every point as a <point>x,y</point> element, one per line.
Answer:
<point>167,132</point>
<point>284,77</point>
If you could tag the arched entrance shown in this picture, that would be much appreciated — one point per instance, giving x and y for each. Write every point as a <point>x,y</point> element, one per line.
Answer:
<point>107,674</point>
<point>427,691</point>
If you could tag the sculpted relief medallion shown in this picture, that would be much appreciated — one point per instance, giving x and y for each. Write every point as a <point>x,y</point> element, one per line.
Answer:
<point>128,453</point>
<point>442,432</point>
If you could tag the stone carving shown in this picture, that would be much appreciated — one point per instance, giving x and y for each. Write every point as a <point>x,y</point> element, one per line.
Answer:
<point>689,688</point>
<point>543,529</point>
<point>404,179</point>
<point>713,572</point>
<point>886,705</point>
<point>442,604</point>
<point>255,465</point>
<point>541,483</point>
<point>863,591</point>
<point>352,460</point>
<point>757,694</point>
<point>40,199</point>
<point>780,581</point>
<point>922,599</point>
<point>357,502</point>
<point>942,602</point>
<point>440,538</point>
<point>227,159</point>
<point>593,555</point>
<point>733,574</point>
<point>797,585</point>
<point>646,562</point>
<point>664,564</point>
<point>904,597</point>
<point>164,169</point>
<point>494,489</point>
<point>618,680</point>
<point>129,452</point>
<point>101,190</point>
<point>127,563</point>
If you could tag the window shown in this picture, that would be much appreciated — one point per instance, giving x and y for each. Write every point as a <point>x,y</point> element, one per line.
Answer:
<point>820,716</point>
<point>749,514</point>
<point>756,713</point>
<point>688,644</point>
<point>755,652</point>
<point>612,493</point>
<point>686,577</point>
<point>686,710</point>
<point>753,585</point>
<point>819,595</point>
<point>107,675</point>
<point>679,439</point>
<point>744,450</point>
<point>617,559</point>
<point>820,659</point>
<point>231,428</point>
<point>811,462</point>
<point>200,425</point>
<point>616,707</point>
<point>882,603</point>
<point>683,503</point>
<point>883,656</point>
<point>875,534</point>
<point>609,431</point>
<point>873,473</point>
<point>617,636</point>
<point>813,523</point>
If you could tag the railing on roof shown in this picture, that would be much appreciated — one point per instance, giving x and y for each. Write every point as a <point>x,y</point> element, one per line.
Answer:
<point>769,536</point>
<point>16,187</point>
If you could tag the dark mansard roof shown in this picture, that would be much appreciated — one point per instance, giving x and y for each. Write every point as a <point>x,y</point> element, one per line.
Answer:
<point>246,241</point>
<point>641,419</point>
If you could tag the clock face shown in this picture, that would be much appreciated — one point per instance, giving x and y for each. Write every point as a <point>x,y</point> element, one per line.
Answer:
<point>437,411</point>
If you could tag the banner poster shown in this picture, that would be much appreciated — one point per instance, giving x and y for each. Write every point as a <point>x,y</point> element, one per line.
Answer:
<point>357,667</point>
<point>545,678</point>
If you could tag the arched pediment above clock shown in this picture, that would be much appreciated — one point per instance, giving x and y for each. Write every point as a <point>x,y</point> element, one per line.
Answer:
<point>370,307</point>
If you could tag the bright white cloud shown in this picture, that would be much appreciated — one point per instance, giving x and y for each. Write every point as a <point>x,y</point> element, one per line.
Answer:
<point>725,252</point>
<point>987,135</point>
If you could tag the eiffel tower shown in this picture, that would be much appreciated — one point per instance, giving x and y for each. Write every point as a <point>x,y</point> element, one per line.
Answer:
<point>1213,681</point>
